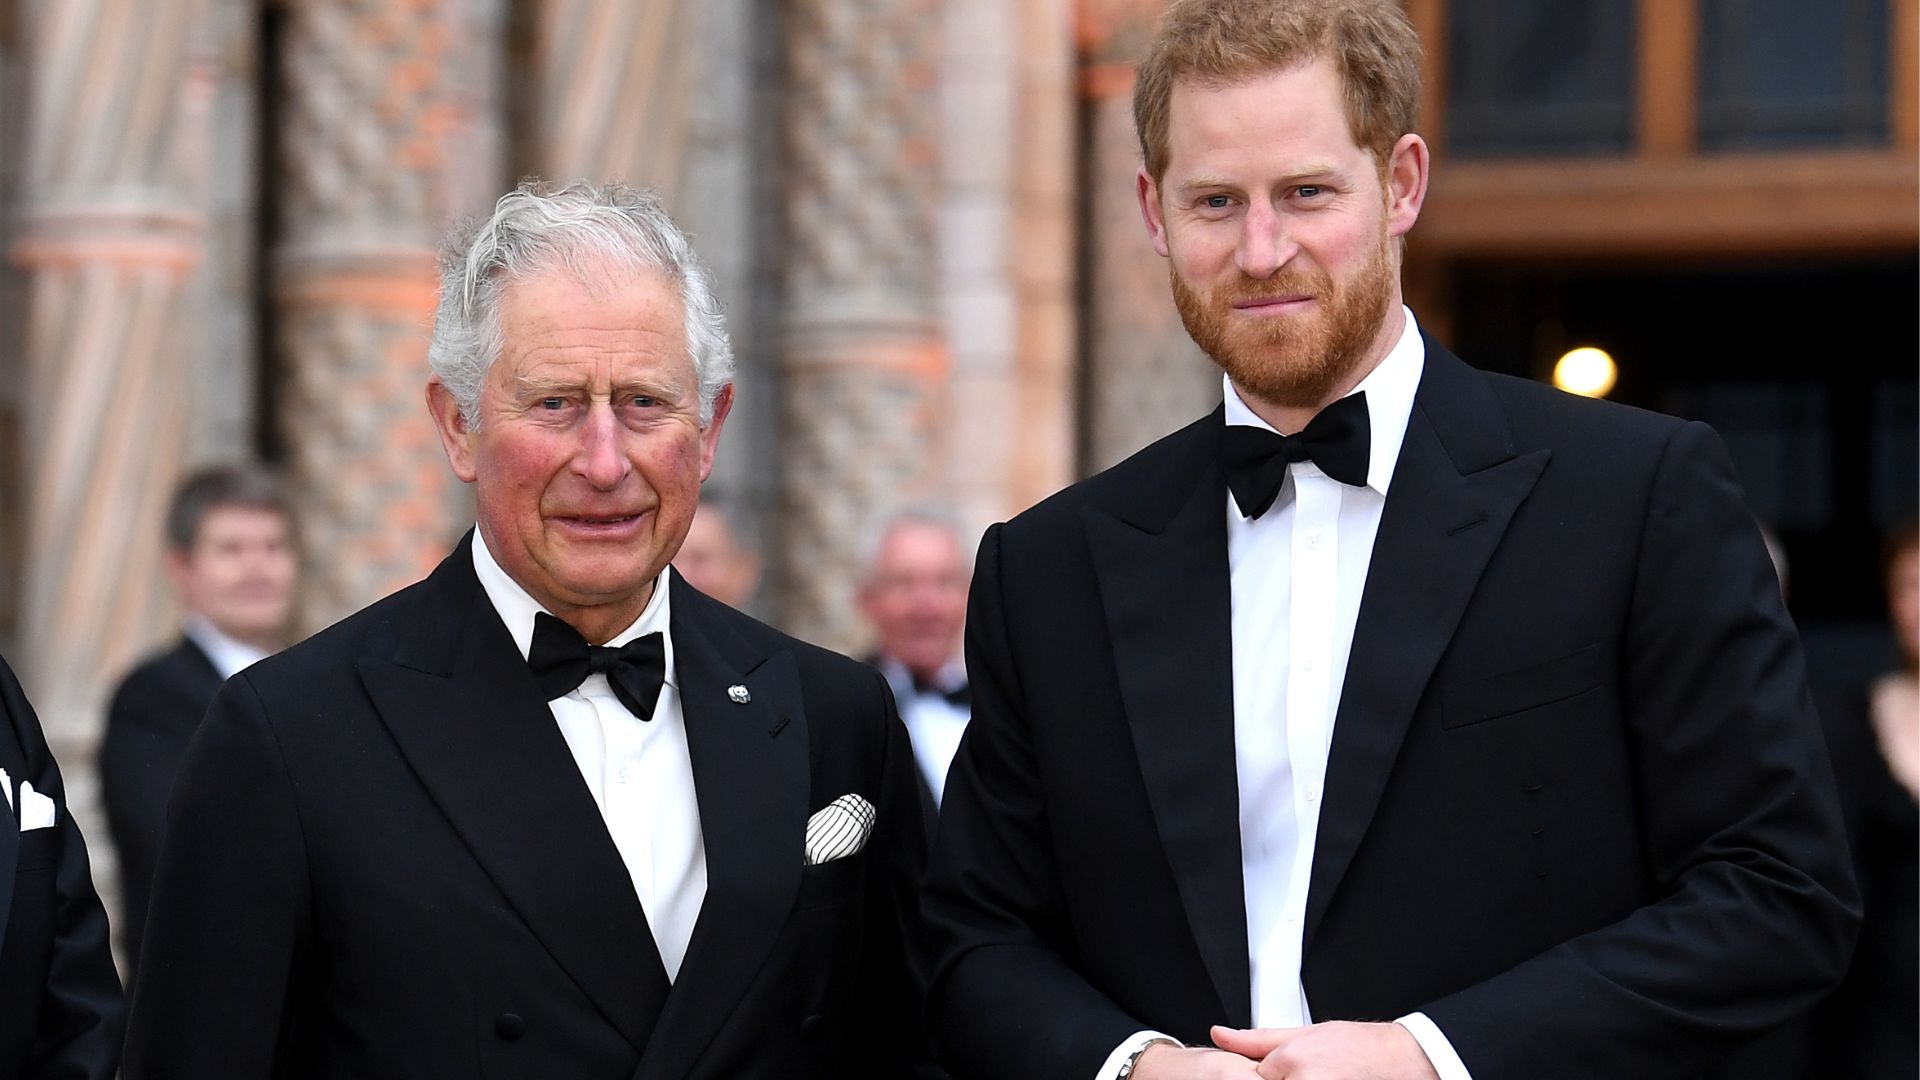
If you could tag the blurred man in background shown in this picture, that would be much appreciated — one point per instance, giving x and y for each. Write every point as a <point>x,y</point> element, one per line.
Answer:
<point>233,561</point>
<point>716,559</point>
<point>915,596</point>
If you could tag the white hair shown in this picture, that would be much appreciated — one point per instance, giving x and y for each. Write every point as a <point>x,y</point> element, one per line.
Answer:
<point>580,229</point>
<point>934,518</point>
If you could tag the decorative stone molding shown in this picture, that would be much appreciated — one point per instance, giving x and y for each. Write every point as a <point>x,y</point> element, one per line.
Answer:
<point>364,198</point>
<point>107,236</point>
<point>862,358</point>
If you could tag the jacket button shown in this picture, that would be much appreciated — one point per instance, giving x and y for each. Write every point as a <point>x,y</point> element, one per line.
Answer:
<point>812,1026</point>
<point>509,1026</point>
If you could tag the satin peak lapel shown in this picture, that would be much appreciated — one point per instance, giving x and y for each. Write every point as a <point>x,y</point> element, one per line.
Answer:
<point>466,713</point>
<point>1162,568</point>
<point>750,776</point>
<point>1454,491</point>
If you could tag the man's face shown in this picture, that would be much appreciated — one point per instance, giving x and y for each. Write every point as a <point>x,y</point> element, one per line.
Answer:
<point>240,573</point>
<point>588,455</point>
<point>1279,230</point>
<point>713,561</point>
<point>916,597</point>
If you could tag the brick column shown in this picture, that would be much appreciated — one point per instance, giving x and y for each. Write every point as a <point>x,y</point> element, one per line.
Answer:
<point>364,198</point>
<point>108,236</point>
<point>862,357</point>
<point>1145,377</point>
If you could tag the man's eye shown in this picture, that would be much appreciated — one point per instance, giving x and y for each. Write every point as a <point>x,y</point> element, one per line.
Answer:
<point>645,402</point>
<point>1216,202</point>
<point>553,403</point>
<point>1308,191</point>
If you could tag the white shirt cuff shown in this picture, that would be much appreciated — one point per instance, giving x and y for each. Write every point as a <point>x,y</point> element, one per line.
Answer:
<point>1439,1051</point>
<point>1137,1042</point>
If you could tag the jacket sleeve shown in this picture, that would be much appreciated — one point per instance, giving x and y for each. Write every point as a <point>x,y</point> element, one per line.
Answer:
<point>891,968</point>
<point>1754,911</point>
<point>81,1010</point>
<point>1004,1002</point>
<point>139,757</point>
<point>229,920</point>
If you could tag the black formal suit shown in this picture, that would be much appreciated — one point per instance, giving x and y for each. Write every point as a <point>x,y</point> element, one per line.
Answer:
<point>1576,805</point>
<point>151,719</point>
<point>381,861</point>
<point>900,682</point>
<point>60,1003</point>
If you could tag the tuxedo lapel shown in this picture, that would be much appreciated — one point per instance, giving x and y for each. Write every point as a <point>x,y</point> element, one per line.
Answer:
<point>466,714</point>
<point>1162,568</point>
<point>9,821</point>
<point>1454,490</point>
<point>751,782</point>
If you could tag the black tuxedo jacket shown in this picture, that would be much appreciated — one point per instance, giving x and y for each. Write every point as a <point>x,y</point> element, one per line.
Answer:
<point>1577,808</point>
<point>151,719</point>
<point>60,1004</point>
<point>381,861</point>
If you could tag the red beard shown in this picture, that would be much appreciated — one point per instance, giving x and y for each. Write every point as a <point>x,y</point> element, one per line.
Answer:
<point>1293,362</point>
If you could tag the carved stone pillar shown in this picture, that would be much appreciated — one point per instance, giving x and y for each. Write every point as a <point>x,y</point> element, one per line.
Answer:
<point>612,84</point>
<point>1007,249</point>
<point>364,198</point>
<point>1146,377</point>
<point>862,357</point>
<point>108,234</point>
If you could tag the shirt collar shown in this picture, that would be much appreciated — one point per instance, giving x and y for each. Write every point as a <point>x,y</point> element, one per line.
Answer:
<point>952,675</point>
<point>517,608</point>
<point>1389,387</point>
<point>228,654</point>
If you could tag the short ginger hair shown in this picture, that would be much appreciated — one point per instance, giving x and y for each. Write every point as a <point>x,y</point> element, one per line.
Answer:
<point>1221,42</point>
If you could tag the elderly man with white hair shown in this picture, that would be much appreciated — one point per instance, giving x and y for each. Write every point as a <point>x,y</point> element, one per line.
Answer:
<point>551,812</point>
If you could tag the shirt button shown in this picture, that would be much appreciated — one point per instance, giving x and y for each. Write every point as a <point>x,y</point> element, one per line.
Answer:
<point>1313,540</point>
<point>622,774</point>
<point>1293,916</point>
<point>1306,663</point>
<point>1313,792</point>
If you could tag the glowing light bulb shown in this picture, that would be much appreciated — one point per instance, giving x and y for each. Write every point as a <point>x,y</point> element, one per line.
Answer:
<point>1586,371</point>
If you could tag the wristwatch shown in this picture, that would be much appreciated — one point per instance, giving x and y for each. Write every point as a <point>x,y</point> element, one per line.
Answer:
<point>1126,1067</point>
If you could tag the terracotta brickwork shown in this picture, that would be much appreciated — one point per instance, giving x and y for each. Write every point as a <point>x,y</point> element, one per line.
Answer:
<point>863,360</point>
<point>367,116</point>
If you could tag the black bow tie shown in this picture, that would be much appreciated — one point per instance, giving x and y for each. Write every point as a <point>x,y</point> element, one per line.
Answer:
<point>960,697</point>
<point>561,660</point>
<point>1339,440</point>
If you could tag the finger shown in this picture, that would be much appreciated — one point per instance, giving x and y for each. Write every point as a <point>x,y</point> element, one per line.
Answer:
<point>1255,1043</point>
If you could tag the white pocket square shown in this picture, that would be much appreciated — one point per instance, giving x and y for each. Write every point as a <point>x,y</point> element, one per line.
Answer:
<point>840,829</point>
<point>36,810</point>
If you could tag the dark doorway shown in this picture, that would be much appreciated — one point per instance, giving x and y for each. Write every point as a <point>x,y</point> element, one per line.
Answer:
<point>1810,371</point>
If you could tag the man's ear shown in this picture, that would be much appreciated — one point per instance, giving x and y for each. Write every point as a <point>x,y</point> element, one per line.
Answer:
<point>1148,193</point>
<point>179,566</point>
<point>710,437</point>
<point>456,437</point>
<point>1406,183</point>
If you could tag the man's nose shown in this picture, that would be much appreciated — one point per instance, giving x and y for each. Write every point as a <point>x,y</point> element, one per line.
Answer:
<point>601,460</point>
<point>1266,242</point>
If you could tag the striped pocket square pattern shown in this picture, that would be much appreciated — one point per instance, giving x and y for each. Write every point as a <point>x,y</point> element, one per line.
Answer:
<point>840,829</point>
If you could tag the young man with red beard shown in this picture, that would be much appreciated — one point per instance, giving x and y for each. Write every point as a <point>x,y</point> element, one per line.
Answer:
<point>1396,720</point>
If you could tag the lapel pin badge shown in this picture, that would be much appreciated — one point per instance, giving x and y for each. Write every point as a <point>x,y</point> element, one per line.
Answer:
<point>738,694</point>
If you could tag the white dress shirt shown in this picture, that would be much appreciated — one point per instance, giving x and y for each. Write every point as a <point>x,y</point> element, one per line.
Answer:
<point>1297,576</point>
<point>228,654</point>
<point>640,774</point>
<point>934,724</point>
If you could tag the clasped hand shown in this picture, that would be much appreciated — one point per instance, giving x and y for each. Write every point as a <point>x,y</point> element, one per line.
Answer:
<point>1331,1051</point>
